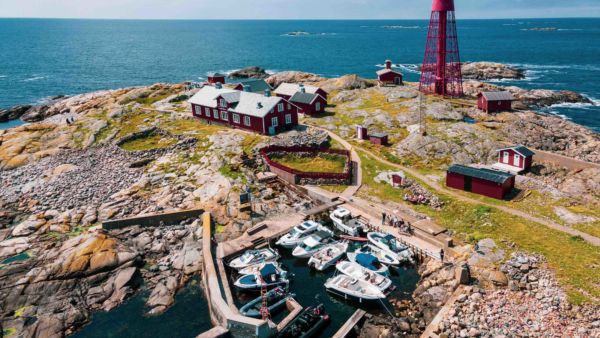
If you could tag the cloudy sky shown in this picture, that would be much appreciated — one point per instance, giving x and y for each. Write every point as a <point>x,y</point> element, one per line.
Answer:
<point>291,9</point>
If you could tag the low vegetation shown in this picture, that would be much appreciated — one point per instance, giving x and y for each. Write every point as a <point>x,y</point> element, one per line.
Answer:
<point>155,141</point>
<point>330,163</point>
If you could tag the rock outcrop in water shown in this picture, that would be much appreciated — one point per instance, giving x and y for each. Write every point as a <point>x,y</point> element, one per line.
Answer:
<point>491,71</point>
<point>253,72</point>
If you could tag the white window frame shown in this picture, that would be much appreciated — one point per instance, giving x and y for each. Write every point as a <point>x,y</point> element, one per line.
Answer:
<point>517,160</point>
<point>506,157</point>
<point>207,111</point>
<point>318,106</point>
<point>274,121</point>
<point>223,103</point>
<point>289,106</point>
<point>236,118</point>
<point>280,107</point>
<point>247,121</point>
<point>288,118</point>
<point>215,114</point>
<point>224,116</point>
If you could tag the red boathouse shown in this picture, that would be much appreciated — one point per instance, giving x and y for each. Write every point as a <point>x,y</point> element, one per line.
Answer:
<point>388,76</point>
<point>494,101</point>
<point>214,78</point>
<point>514,159</point>
<point>482,181</point>
<point>261,113</point>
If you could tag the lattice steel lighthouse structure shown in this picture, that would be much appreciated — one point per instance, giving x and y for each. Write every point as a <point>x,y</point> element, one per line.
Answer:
<point>440,73</point>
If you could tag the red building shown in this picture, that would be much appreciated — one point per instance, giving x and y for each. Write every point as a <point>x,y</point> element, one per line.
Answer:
<point>287,90</point>
<point>216,78</point>
<point>309,104</point>
<point>514,159</point>
<point>388,76</point>
<point>252,85</point>
<point>261,113</point>
<point>494,101</point>
<point>482,181</point>
<point>379,139</point>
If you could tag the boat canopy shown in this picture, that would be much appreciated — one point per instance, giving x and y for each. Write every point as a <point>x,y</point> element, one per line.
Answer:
<point>389,238</point>
<point>366,260</point>
<point>341,212</point>
<point>268,269</point>
<point>311,241</point>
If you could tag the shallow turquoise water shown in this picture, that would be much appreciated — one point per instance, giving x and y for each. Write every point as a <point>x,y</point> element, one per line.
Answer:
<point>41,58</point>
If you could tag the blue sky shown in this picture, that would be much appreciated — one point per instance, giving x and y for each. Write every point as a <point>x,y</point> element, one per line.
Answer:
<point>292,9</point>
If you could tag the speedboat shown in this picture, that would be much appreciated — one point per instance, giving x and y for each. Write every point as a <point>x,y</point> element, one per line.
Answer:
<point>268,277</point>
<point>313,244</point>
<point>390,244</point>
<point>275,298</point>
<point>328,255</point>
<point>310,321</point>
<point>251,269</point>
<point>252,257</point>
<point>299,233</point>
<point>346,223</point>
<point>352,288</point>
<point>356,271</point>
<point>383,256</point>
<point>368,261</point>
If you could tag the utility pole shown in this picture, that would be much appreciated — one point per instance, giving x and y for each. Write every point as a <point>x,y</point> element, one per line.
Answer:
<point>422,127</point>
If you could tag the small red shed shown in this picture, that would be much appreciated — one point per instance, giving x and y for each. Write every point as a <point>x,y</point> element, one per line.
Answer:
<point>362,133</point>
<point>514,159</point>
<point>482,181</point>
<point>388,76</point>
<point>287,90</point>
<point>379,139</point>
<point>216,78</point>
<point>494,101</point>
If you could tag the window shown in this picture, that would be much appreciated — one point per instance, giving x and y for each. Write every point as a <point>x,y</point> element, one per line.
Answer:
<point>224,116</point>
<point>505,157</point>
<point>236,118</point>
<point>215,113</point>
<point>280,107</point>
<point>517,161</point>
<point>289,106</point>
<point>274,122</point>
<point>247,120</point>
<point>288,118</point>
<point>207,111</point>
<point>318,106</point>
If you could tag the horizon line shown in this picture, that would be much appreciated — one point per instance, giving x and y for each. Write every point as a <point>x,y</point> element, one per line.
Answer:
<point>289,19</point>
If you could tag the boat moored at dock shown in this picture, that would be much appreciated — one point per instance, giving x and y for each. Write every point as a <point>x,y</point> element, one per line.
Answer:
<point>328,256</point>
<point>368,261</point>
<point>352,288</point>
<point>307,324</point>
<point>275,300</point>
<point>252,257</point>
<point>383,256</point>
<point>347,223</point>
<point>313,244</point>
<point>391,245</point>
<point>356,271</point>
<point>299,233</point>
<point>268,277</point>
<point>257,267</point>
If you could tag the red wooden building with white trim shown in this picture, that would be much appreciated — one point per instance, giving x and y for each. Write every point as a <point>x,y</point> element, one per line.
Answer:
<point>287,90</point>
<point>214,78</point>
<point>389,76</point>
<point>261,113</point>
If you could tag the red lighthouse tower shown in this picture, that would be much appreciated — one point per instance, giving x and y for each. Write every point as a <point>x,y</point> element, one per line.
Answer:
<point>440,73</point>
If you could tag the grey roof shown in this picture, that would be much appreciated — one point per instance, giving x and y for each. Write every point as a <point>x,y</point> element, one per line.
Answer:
<point>498,96</point>
<point>521,149</point>
<point>482,173</point>
<point>290,89</point>
<point>306,98</point>
<point>378,135</point>
<point>256,85</point>
<point>247,102</point>
<point>232,97</point>
<point>385,71</point>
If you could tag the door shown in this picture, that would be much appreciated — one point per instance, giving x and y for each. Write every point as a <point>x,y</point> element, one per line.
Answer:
<point>505,157</point>
<point>517,160</point>
<point>468,183</point>
<point>397,80</point>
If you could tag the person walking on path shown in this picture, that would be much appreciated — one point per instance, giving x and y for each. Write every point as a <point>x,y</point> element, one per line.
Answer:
<point>383,216</point>
<point>442,255</point>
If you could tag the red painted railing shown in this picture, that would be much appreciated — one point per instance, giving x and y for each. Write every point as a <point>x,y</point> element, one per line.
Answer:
<point>346,175</point>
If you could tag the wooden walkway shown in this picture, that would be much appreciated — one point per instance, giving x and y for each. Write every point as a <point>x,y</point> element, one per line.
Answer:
<point>429,330</point>
<point>349,324</point>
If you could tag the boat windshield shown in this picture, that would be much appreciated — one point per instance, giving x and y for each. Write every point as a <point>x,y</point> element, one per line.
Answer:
<point>294,233</point>
<point>247,257</point>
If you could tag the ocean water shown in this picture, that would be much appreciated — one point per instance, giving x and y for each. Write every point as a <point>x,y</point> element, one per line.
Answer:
<point>40,58</point>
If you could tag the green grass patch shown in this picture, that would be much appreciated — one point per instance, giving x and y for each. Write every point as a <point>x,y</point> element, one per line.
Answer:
<point>575,262</point>
<point>250,142</point>
<point>9,332</point>
<point>220,229</point>
<point>155,141</point>
<point>334,188</point>
<point>229,171</point>
<point>323,162</point>
<point>21,311</point>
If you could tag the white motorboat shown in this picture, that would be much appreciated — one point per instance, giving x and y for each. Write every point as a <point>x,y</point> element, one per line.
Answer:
<point>299,233</point>
<point>383,256</point>
<point>356,271</point>
<point>257,267</point>
<point>252,257</point>
<point>368,261</point>
<point>352,288</point>
<point>268,277</point>
<point>346,223</point>
<point>313,244</point>
<point>390,244</point>
<point>328,255</point>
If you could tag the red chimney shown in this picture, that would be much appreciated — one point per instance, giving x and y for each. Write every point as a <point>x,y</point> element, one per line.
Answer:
<point>388,64</point>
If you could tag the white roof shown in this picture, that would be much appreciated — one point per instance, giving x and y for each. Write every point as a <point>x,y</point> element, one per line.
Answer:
<point>243,102</point>
<point>311,241</point>
<point>290,89</point>
<point>385,71</point>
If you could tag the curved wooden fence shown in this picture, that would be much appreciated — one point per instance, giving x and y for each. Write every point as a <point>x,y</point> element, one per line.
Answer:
<point>298,175</point>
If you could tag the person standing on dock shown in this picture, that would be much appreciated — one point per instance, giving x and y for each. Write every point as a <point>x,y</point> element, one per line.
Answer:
<point>383,217</point>
<point>442,255</point>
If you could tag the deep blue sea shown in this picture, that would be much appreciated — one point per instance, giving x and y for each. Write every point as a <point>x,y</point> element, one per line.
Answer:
<point>41,58</point>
